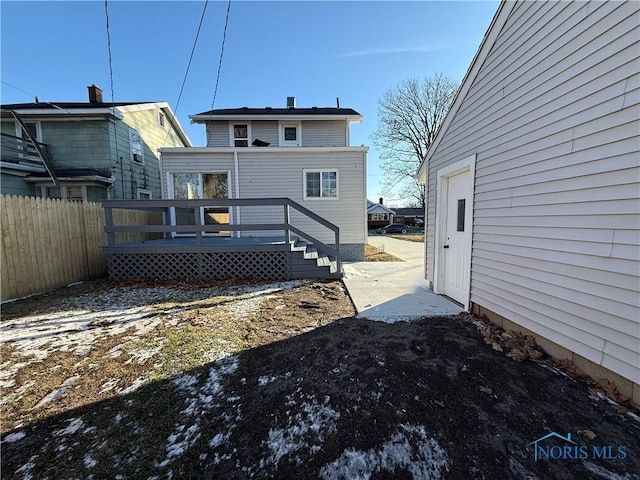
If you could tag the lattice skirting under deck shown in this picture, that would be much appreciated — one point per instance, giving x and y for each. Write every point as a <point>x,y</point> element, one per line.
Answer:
<point>265,265</point>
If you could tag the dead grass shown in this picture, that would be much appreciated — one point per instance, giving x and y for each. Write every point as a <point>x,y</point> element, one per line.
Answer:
<point>372,254</point>
<point>409,238</point>
<point>129,392</point>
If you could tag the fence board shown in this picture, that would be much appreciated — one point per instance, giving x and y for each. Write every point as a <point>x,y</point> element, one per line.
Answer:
<point>49,243</point>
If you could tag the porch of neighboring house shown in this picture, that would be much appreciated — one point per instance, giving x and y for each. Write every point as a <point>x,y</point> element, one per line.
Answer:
<point>194,239</point>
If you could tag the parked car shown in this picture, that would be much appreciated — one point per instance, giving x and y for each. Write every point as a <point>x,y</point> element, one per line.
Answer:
<point>416,222</point>
<point>393,228</point>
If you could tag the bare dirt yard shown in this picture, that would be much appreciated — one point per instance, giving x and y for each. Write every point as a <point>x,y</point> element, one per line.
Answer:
<point>239,381</point>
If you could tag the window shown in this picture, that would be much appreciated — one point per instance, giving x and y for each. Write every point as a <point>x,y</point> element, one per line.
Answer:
<point>74,193</point>
<point>379,217</point>
<point>240,135</point>
<point>161,118</point>
<point>52,192</point>
<point>461,214</point>
<point>320,184</point>
<point>290,134</point>
<point>137,152</point>
<point>34,128</point>
<point>64,192</point>
<point>144,194</point>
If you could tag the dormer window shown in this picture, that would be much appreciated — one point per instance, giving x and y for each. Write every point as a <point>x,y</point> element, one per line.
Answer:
<point>240,132</point>
<point>290,135</point>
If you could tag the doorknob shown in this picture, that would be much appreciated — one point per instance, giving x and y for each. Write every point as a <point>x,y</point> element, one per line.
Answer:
<point>446,246</point>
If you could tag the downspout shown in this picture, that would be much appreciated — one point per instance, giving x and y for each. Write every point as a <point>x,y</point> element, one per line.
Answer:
<point>237,181</point>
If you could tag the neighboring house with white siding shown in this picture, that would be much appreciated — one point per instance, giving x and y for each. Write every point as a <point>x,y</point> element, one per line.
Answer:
<point>533,183</point>
<point>298,153</point>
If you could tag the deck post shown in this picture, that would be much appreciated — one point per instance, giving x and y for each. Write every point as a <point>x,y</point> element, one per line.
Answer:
<point>339,257</point>
<point>108,220</point>
<point>198,223</point>
<point>287,232</point>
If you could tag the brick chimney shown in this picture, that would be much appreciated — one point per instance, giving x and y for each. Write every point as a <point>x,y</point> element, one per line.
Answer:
<point>95,94</point>
<point>380,200</point>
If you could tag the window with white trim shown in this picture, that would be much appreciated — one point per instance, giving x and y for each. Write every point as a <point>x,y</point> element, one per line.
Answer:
<point>137,150</point>
<point>240,132</point>
<point>143,194</point>
<point>319,184</point>
<point>290,134</point>
<point>64,192</point>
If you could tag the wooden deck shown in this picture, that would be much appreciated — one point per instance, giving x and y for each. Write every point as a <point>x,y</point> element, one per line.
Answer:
<point>200,256</point>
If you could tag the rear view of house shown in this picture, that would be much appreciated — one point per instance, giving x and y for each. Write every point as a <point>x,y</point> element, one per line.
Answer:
<point>302,154</point>
<point>533,182</point>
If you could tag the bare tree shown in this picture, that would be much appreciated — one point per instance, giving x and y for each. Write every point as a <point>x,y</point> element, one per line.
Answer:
<point>409,116</point>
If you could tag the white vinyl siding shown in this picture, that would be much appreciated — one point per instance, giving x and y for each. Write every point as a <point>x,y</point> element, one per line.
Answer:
<point>324,133</point>
<point>267,131</point>
<point>280,174</point>
<point>218,134</point>
<point>258,173</point>
<point>553,117</point>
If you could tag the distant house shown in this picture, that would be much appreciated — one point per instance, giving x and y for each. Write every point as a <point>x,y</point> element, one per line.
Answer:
<point>303,154</point>
<point>86,150</point>
<point>407,215</point>
<point>378,215</point>
<point>533,183</point>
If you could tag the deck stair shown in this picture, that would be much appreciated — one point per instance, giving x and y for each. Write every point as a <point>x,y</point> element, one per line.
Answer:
<point>308,262</point>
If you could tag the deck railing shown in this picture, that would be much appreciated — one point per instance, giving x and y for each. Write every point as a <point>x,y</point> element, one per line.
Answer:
<point>22,152</point>
<point>197,228</point>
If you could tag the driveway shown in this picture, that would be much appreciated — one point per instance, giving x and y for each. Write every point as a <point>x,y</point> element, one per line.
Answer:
<point>391,291</point>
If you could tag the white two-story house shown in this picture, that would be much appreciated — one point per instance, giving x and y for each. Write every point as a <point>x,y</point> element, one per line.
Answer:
<point>300,153</point>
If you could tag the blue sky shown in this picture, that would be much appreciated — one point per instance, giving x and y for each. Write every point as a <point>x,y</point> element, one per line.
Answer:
<point>315,51</point>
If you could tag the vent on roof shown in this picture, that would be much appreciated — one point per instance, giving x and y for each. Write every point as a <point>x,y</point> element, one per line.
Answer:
<point>314,108</point>
<point>291,102</point>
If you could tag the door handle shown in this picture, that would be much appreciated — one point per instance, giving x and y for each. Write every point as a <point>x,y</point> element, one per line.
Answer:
<point>446,246</point>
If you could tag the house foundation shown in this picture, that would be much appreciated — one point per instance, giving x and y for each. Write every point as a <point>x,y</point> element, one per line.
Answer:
<point>625,386</point>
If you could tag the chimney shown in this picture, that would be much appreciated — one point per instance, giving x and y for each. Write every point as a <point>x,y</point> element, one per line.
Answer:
<point>380,200</point>
<point>291,102</point>
<point>95,94</point>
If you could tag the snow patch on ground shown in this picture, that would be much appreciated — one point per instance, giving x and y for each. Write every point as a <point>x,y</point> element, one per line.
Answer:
<point>409,448</point>
<point>14,437</point>
<point>305,430</point>
<point>607,474</point>
<point>199,401</point>
<point>75,424</point>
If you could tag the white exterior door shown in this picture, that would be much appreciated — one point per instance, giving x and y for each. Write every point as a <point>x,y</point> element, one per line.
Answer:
<point>457,237</point>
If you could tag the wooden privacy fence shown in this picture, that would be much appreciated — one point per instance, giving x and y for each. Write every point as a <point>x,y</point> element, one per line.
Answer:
<point>49,243</point>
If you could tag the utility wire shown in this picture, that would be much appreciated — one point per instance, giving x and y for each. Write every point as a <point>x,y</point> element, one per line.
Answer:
<point>193,49</point>
<point>186,73</point>
<point>113,101</point>
<point>224,37</point>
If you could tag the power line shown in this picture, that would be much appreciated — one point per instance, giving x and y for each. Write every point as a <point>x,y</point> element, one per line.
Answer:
<point>224,37</point>
<point>193,49</point>
<point>113,101</point>
<point>186,73</point>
